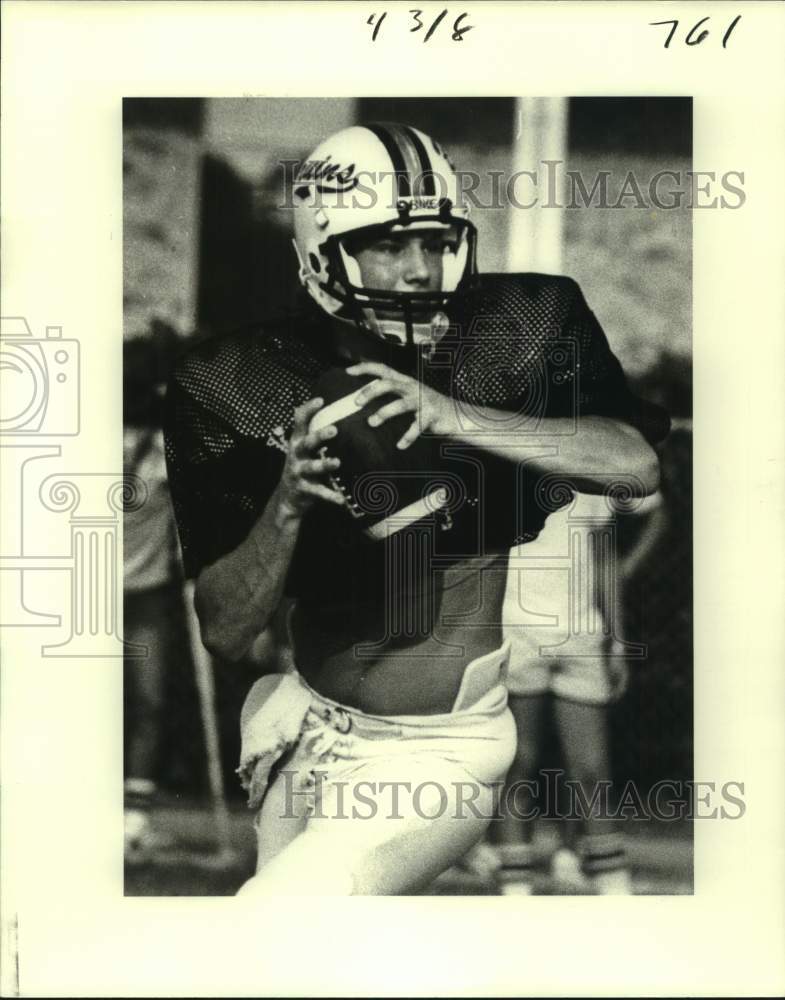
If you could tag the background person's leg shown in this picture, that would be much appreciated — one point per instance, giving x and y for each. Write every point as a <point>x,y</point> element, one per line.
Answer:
<point>584,735</point>
<point>512,835</point>
<point>146,623</point>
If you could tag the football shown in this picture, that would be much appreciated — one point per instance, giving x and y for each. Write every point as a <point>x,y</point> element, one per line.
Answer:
<point>387,488</point>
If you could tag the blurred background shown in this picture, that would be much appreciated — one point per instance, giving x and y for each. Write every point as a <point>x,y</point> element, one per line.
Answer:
<point>207,248</point>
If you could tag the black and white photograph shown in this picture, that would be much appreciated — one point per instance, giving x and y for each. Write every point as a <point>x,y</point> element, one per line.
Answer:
<point>414,433</point>
<point>393,476</point>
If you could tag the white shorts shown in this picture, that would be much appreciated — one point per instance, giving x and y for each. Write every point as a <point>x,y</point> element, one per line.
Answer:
<point>546,654</point>
<point>374,805</point>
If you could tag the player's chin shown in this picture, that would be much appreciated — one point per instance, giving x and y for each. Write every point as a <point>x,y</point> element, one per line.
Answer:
<point>425,315</point>
<point>422,325</point>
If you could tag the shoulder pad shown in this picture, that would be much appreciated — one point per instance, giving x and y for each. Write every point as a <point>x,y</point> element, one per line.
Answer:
<point>507,301</point>
<point>509,336</point>
<point>251,381</point>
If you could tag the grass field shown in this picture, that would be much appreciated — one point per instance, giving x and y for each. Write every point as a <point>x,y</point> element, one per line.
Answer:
<point>660,857</point>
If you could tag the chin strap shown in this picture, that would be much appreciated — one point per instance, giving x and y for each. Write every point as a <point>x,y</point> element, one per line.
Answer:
<point>425,335</point>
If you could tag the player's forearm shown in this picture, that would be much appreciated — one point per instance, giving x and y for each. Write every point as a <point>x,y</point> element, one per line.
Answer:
<point>237,596</point>
<point>587,454</point>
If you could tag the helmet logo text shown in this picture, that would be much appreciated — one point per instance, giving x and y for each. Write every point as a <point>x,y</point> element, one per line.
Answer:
<point>325,176</point>
<point>419,204</point>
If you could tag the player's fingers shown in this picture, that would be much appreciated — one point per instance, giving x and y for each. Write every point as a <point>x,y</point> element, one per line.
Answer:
<point>392,410</point>
<point>318,466</point>
<point>381,387</point>
<point>322,492</point>
<point>313,439</point>
<point>303,414</point>
<point>410,436</point>
<point>372,368</point>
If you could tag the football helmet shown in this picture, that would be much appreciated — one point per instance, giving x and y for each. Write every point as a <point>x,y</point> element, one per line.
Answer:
<point>376,180</point>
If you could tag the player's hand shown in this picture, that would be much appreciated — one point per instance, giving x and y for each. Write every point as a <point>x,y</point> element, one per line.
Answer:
<point>432,411</point>
<point>304,477</point>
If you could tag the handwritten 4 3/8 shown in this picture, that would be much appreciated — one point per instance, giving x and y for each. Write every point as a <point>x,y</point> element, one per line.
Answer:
<point>457,31</point>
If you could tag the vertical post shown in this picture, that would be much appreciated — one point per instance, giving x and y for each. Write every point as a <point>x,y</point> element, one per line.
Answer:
<point>539,147</point>
<point>205,686</point>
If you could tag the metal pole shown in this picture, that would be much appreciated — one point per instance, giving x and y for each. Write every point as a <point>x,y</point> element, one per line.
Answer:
<point>205,685</point>
<point>538,156</point>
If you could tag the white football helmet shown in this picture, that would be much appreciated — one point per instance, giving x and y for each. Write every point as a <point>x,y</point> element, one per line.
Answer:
<point>392,178</point>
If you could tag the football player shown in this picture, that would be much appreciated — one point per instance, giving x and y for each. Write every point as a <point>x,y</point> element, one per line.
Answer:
<point>374,766</point>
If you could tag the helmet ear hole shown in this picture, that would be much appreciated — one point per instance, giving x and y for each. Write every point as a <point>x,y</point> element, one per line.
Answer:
<point>315,263</point>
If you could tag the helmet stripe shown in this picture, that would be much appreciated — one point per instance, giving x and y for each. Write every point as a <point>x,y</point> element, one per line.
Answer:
<point>403,181</point>
<point>408,152</point>
<point>426,170</point>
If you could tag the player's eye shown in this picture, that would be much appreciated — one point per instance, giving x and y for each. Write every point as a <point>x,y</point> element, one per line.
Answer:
<point>389,247</point>
<point>441,247</point>
<point>441,243</point>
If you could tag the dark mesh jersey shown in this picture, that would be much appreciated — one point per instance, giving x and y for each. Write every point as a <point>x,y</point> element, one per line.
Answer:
<point>525,343</point>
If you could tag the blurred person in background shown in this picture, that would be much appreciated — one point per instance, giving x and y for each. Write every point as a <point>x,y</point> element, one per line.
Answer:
<point>153,609</point>
<point>578,687</point>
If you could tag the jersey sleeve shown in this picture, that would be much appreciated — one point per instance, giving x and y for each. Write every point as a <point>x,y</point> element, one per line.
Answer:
<point>529,344</point>
<point>600,387</point>
<point>220,480</point>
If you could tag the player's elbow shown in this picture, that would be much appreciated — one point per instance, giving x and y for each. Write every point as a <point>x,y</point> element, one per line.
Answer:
<point>626,460</point>
<point>222,636</point>
<point>653,479</point>
<point>634,462</point>
<point>649,470</point>
<point>220,642</point>
<point>223,645</point>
